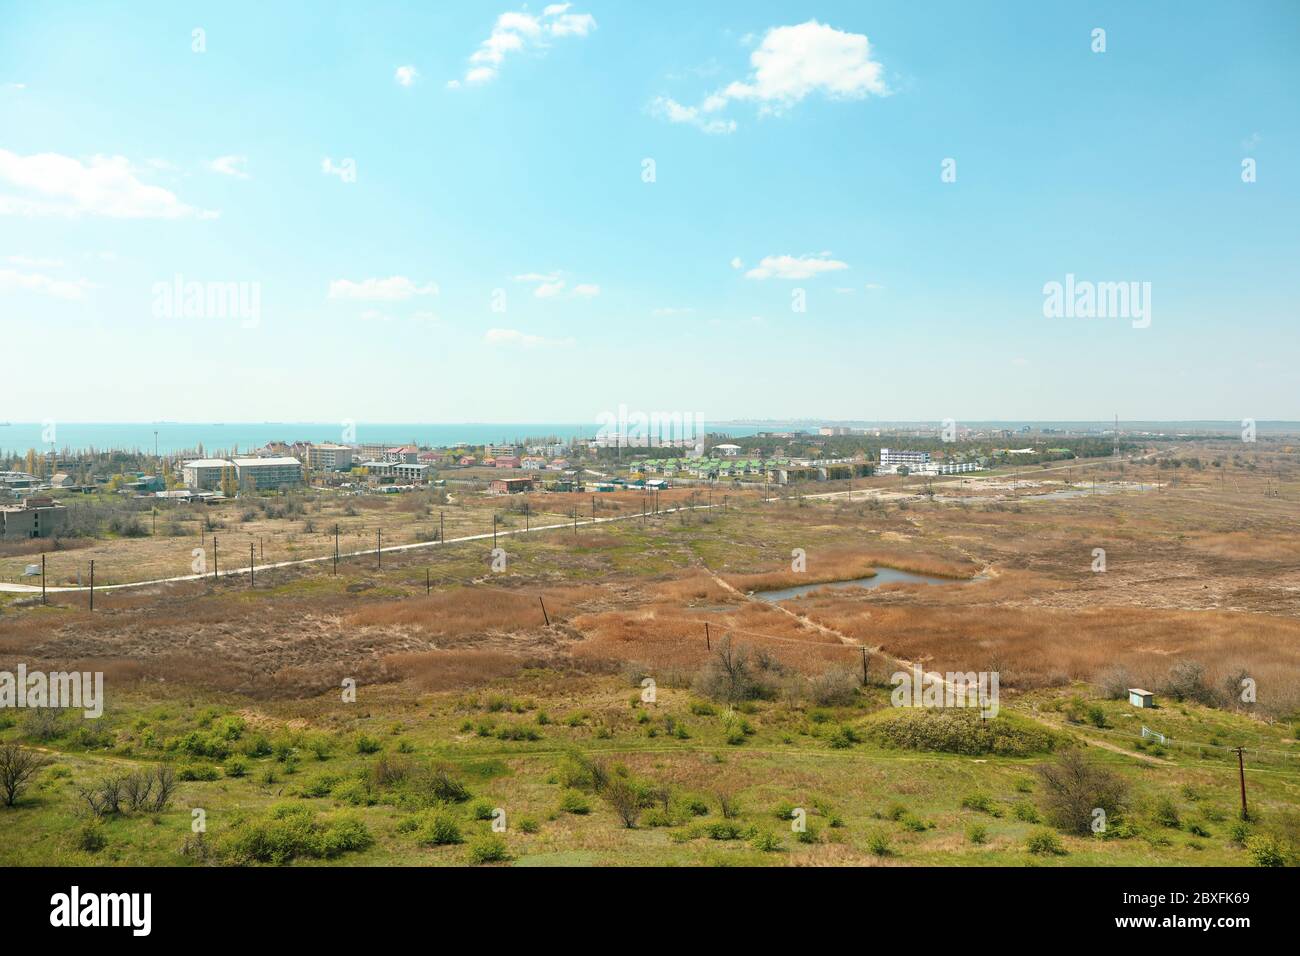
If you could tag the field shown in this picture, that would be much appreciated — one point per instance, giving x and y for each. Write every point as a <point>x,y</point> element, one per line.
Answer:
<point>524,687</point>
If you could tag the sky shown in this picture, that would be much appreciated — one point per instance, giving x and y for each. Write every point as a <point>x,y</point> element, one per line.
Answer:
<point>486,211</point>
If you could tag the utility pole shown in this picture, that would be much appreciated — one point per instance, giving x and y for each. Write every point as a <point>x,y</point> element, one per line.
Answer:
<point>546,617</point>
<point>336,549</point>
<point>494,531</point>
<point>251,582</point>
<point>428,585</point>
<point>214,557</point>
<point>42,577</point>
<point>442,536</point>
<point>864,667</point>
<point>1241,772</point>
<point>708,644</point>
<point>92,585</point>
<point>379,547</point>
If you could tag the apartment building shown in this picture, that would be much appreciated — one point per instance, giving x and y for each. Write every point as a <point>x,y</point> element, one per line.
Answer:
<point>204,474</point>
<point>262,473</point>
<point>329,457</point>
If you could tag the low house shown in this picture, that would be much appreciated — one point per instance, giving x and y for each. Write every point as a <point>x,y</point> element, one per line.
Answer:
<point>1141,698</point>
<point>466,460</point>
<point>509,486</point>
<point>507,461</point>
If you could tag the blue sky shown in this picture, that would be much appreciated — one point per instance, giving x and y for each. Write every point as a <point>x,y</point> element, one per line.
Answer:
<point>789,153</point>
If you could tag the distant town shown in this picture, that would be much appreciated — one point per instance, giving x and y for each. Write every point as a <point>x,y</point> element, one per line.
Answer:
<point>32,485</point>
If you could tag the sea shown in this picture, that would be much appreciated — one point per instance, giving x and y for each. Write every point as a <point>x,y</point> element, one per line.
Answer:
<point>171,437</point>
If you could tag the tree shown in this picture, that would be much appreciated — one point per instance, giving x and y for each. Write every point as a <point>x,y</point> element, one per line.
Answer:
<point>1075,789</point>
<point>17,765</point>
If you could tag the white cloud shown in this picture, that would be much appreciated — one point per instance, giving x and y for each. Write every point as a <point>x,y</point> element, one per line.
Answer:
<point>392,289</point>
<point>15,86</point>
<point>790,64</point>
<point>12,280</point>
<point>792,267</point>
<point>666,108</point>
<point>230,166</point>
<point>405,75</point>
<point>514,32</point>
<point>737,263</point>
<point>513,338</point>
<point>57,185</point>
<point>873,286</point>
<point>30,263</point>
<point>374,315</point>
<point>548,285</point>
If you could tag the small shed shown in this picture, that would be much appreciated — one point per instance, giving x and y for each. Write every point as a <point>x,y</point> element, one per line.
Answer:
<point>1141,698</point>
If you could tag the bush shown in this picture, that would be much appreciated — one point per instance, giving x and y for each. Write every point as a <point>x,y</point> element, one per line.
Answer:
<point>440,829</point>
<point>1265,851</point>
<point>367,744</point>
<point>837,687</point>
<point>236,767</point>
<point>1186,681</point>
<point>1165,813</point>
<point>197,771</point>
<point>1073,788</point>
<point>625,800</point>
<point>574,802</point>
<point>978,801</point>
<point>1026,812</point>
<point>878,843</point>
<point>977,833</point>
<point>766,842</point>
<point>90,835</point>
<point>17,767</point>
<point>488,849</point>
<point>733,675</point>
<point>1044,842</point>
<point>1114,683</point>
<point>288,831</point>
<point>579,772</point>
<point>961,731</point>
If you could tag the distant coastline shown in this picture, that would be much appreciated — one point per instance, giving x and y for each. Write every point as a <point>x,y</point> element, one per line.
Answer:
<point>174,436</point>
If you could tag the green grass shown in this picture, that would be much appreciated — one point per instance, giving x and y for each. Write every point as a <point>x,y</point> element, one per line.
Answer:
<point>858,788</point>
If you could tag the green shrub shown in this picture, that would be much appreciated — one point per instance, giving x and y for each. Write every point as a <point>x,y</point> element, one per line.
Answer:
<point>1025,812</point>
<point>288,831</point>
<point>197,771</point>
<point>977,833</point>
<point>574,802</point>
<point>1266,851</point>
<point>440,829</point>
<point>961,731</point>
<point>529,825</point>
<point>724,830</point>
<point>236,767</point>
<point>367,744</point>
<point>1044,842</point>
<point>90,835</point>
<point>1165,813</point>
<point>878,843</point>
<point>488,849</point>
<point>766,842</point>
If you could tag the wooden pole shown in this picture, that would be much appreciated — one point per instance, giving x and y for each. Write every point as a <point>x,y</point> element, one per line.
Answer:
<point>214,557</point>
<point>708,644</point>
<point>379,548</point>
<point>336,549</point>
<point>428,585</point>
<point>1241,772</point>
<point>546,617</point>
<point>250,564</point>
<point>42,578</point>
<point>92,585</point>
<point>864,667</point>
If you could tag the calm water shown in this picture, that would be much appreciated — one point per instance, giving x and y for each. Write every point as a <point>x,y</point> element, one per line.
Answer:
<point>882,576</point>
